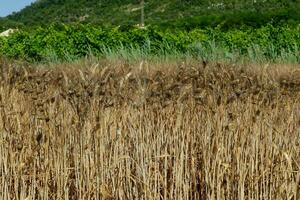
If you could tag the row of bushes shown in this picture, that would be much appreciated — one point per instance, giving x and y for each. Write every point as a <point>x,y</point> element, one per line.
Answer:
<point>81,40</point>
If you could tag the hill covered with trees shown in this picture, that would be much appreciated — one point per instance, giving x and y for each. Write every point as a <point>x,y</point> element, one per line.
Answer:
<point>185,14</point>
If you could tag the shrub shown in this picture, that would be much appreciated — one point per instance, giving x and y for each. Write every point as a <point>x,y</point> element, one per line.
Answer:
<point>82,40</point>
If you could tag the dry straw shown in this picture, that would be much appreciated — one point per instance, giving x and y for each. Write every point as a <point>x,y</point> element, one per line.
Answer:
<point>156,131</point>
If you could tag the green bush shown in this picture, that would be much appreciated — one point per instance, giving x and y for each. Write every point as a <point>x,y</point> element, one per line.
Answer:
<point>62,41</point>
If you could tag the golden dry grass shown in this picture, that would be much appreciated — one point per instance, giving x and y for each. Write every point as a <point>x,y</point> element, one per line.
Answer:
<point>149,131</point>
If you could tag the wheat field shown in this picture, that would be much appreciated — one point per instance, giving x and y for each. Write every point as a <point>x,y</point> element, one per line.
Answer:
<point>119,130</point>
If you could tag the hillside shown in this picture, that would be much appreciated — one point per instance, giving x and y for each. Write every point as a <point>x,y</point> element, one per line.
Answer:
<point>176,13</point>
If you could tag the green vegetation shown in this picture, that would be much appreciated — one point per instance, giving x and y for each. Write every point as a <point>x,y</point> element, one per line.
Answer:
<point>7,24</point>
<point>183,14</point>
<point>227,30</point>
<point>63,42</point>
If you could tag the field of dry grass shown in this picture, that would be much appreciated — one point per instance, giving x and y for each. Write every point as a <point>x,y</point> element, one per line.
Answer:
<point>113,130</point>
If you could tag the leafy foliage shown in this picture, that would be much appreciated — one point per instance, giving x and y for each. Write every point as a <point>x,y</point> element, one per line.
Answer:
<point>7,23</point>
<point>183,14</point>
<point>82,40</point>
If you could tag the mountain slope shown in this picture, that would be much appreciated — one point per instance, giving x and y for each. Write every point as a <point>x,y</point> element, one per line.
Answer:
<point>166,12</point>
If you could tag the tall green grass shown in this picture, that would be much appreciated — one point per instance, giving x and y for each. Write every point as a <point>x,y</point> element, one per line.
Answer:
<point>212,53</point>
